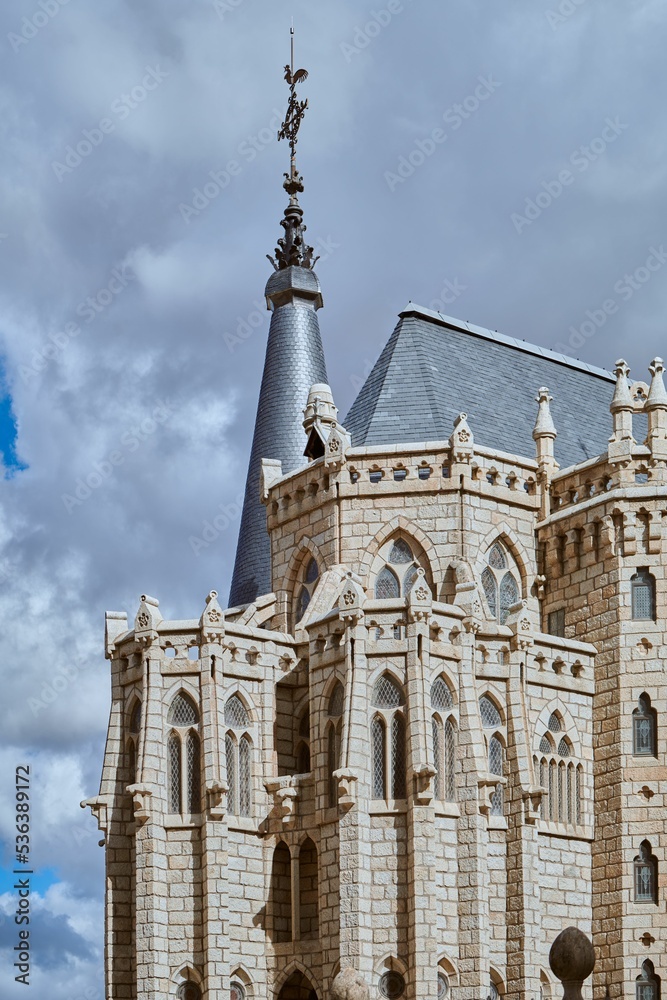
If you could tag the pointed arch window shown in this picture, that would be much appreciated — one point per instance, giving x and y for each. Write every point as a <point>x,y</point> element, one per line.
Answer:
<point>400,571</point>
<point>134,727</point>
<point>238,757</point>
<point>647,983</point>
<point>644,728</point>
<point>497,767</point>
<point>334,733</point>
<point>444,728</point>
<point>642,586</point>
<point>388,740</point>
<point>646,875</point>
<point>183,757</point>
<point>500,583</point>
<point>559,774</point>
<point>306,585</point>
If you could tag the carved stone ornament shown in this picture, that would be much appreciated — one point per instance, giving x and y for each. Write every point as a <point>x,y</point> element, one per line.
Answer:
<point>462,440</point>
<point>347,787</point>
<point>212,621</point>
<point>350,602</point>
<point>216,792</point>
<point>424,776</point>
<point>349,985</point>
<point>532,798</point>
<point>98,808</point>
<point>141,802</point>
<point>148,617</point>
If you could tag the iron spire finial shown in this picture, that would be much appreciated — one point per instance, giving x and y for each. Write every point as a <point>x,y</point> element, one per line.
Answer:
<point>292,250</point>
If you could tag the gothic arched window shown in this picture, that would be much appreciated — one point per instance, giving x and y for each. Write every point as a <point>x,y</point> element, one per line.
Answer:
<point>647,983</point>
<point>184,757</point>
<point>334,732</point>
<point>491,719</point>
<point>443,726</point>
<point>238,756</point>
<point>388,740</point>
<point>400,571</point>
<point>644,728</point>
<point>500,583</point>
<point>303,747</point>
<point>134,727</point>
<point>642,586</point>
<point>310,574</point>
<point>557,772</point>
<point>646,875</point>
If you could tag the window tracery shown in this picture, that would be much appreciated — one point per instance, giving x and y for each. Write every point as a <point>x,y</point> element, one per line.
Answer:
<point>238,756</point>
<point>388,740</point>
<point>183,757</point>
<point>560,774</point>
<point>500,583</point>
<point>400,571</point>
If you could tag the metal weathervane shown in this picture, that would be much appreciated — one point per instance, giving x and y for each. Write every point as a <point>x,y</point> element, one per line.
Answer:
<point>296,110</point>
<point>292,249</point>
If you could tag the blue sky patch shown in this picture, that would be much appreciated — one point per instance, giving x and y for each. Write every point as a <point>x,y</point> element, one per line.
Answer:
<point>8,430</point>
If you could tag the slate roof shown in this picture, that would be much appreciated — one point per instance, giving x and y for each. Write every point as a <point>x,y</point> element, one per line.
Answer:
<point>434,367</point>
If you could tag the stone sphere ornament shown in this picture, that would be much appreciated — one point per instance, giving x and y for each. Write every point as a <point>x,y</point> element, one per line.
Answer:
<point>572,959</point>
<point>349,985</point>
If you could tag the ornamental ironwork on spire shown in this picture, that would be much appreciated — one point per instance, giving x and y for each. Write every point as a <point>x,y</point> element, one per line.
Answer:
<point>292,249</point>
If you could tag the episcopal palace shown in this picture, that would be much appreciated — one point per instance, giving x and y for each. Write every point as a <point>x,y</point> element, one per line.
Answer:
<point>430,729</point>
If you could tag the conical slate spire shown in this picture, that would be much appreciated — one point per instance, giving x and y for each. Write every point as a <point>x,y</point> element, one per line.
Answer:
<point>294,362</point>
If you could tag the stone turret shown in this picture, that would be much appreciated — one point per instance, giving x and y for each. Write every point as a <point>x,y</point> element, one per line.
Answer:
<point>294,362</point>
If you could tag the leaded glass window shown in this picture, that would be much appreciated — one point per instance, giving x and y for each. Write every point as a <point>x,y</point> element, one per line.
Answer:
<point>336,702</point>
<point>493,991</point>
<point>450,761</point>
<point>194,773</point>
<point>644,728</point>
<point>499,583</point>
<point>438,758</point>
<point>306,584</point>
<point>509,595</point>
<point>642,586</point>
<point>409,580</point>
<point>398,756</point>
<point>555,725</point>
<point>496,766</point>
<point>489,713</point>
<point>232,775</point>
<point>183,712</point>
<point>333,742</point>
<point>312,571</point>
<point>174,763</point>
<point>400,552</point>
<point>244,776</point>
<point>304,601</point>
<point>645,875</point>
<point>546,746</point>
<point>387,586</point>
<point>236,714</point>
<point>135,718</point>
<point>441,696</point>
<point>443,986</point>
<point>647,984</point>
<point>378,750</point>
<point>392,985</point>
<point>189,991</point>
<point>386,693</point>
<point>237,992</point>
<point>564,748</point>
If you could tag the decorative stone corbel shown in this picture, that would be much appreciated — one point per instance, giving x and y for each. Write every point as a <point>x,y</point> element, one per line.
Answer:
<point>540,587</point>
<point>520,620</point>
<point>420,599</point>
<point>462,441</point>
<point>141,795</point>
<point>467,598</point>
<point>285,794</point>
<point>147,619</point>
<point>115,624</point>
<point>487,785</point>
<point>271,471</point>
<point>532,799</point>
<point>347,787</point>
<point>424,775</point>
<point>350,602</point>
<point>629,533</point>
<point>99,808</point>
<point>216,792</point>
<point>212,621</point>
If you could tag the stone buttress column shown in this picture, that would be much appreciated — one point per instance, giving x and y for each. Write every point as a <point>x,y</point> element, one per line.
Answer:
<point>215,914</point>
<point>152,930</point>
<point>472,833</point>
<point>422,900</point>
<point>524,797</point>
<point>354,783</point>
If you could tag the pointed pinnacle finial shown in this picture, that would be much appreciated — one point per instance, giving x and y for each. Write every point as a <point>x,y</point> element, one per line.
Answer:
<point>657,395</point>
<point>292,250</point>
<point>544,424</point>
<point>622,399</point>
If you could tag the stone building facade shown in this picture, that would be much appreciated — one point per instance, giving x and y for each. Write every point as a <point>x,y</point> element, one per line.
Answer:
<point>431,734</point>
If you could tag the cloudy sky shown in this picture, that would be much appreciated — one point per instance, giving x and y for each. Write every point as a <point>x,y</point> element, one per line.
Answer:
<point>504,163</point>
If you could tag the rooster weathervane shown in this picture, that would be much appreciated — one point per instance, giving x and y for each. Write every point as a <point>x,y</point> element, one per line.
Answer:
<point>296,110</point>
